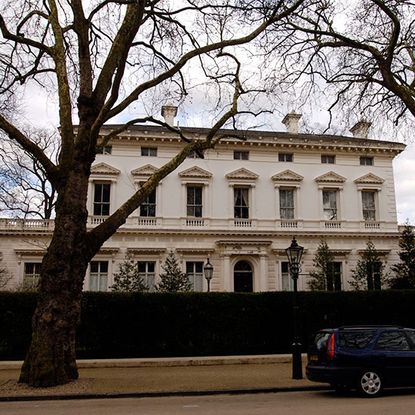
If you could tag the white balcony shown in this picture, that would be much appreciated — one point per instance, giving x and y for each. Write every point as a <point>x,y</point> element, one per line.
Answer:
<point>27,224</point>
<point>213,224</point>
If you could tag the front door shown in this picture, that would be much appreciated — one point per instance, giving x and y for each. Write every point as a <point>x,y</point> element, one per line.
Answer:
<point>242,277</point>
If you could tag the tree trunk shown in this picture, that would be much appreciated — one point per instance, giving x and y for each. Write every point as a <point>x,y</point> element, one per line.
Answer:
<point>51,358</point>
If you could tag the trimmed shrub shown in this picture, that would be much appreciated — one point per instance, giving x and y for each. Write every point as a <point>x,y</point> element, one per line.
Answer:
<point>196,324</point>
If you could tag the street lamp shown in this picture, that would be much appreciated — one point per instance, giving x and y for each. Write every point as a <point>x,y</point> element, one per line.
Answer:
<point>208,272</point>
<point>294,254</point>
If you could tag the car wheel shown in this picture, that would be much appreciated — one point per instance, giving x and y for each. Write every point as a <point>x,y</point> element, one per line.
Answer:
<point>370,384</point>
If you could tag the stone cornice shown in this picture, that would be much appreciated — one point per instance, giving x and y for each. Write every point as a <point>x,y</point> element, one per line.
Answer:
<point>242,174</point>
<point>195,172</point>
<point>287,176</point>
<point>104,169</point>
<point>369,178</point>
<point>330,177</point>
<point>144,171</point>
<point>280,140</point>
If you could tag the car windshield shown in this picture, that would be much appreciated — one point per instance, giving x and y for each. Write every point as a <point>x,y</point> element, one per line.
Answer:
<point>356,339</point>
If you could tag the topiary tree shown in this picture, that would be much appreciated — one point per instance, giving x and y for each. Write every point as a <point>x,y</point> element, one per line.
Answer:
<point>322,276</point>
<point>173,279</point>
<point>405,270</point>
<point>369,273</point>
<point>128,278</point>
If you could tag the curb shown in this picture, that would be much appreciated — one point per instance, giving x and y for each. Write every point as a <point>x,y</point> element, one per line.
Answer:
<point>168,361</point>
<point>86,396</point>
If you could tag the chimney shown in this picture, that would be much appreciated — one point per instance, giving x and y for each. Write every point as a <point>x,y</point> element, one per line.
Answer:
<point>291,122</point>
<point>169,112</point>
<point>361,129</point>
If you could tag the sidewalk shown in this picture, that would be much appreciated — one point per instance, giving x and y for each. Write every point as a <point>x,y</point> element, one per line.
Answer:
<point>163,377</point>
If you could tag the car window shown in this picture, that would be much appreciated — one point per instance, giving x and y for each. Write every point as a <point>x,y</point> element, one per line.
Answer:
<point>411,335</point>
<point>321,340</point>
<point>392,340</point>
<point>358,339</point>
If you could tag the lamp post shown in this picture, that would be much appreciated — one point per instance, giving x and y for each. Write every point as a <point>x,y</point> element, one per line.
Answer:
<point>208,272</point>
<point>294,254</point>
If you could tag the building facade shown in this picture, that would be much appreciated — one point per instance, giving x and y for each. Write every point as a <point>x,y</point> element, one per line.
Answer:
<point>239,206</point>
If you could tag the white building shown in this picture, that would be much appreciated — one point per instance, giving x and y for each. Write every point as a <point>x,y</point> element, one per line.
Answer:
<point>240,206</point>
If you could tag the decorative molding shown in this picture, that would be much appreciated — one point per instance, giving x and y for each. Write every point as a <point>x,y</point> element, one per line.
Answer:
<point>144,172</point>
<point>108,251</point>
<point>330,177</point>
<point>381,252</point>
<point>30,252</point>
<point>195,172</point>
<point>146,251</point>
<point>242,174</point>
<point>244,243</point>
<point>195,251</point>
<point>104,169</point>
<point>287,176</point>
<point>369,178</point>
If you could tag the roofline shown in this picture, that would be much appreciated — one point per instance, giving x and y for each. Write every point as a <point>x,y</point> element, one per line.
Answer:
<point>259,134</point>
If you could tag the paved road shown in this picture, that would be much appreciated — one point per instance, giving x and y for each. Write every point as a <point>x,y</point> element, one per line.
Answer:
<point>291,403</point>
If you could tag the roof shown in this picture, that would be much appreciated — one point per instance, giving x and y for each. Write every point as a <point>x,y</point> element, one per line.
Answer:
<point>258,136</point>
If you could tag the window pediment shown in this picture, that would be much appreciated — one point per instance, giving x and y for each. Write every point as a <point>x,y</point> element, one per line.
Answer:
<point>195,173</point>
<point>330,178</point>
<point>242,174</point>
<point>143,172</point>
<point>104,169</point>
<point>369,178</point>
<point>287,176</point>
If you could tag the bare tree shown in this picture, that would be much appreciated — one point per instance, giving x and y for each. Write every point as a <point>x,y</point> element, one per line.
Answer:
<point>25,190</point>
<point>360,52</point>
<point>99,58</point>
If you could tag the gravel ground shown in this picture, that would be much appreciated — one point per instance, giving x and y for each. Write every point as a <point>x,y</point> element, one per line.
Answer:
<point>12,388</point>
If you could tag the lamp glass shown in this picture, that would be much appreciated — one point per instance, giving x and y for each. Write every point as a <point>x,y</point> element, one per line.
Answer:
<point>208,270</point>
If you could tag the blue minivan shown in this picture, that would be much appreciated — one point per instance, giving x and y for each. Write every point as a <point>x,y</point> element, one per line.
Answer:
<point>366,358</point>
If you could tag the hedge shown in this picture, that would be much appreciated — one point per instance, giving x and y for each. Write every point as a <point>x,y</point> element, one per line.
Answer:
<point>115,325</point>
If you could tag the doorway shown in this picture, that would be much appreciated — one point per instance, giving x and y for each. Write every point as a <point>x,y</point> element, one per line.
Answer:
<point>243,277</point>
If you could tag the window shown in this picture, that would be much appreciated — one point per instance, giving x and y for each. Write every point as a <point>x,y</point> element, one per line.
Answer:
<point>356,339</point>
<point>286,280</point>
<point>146,270</point>
<point>149,151</point>
<point>330,204</point>
<point>334,277</point>
<point>98,276</point>
<point>366,161</point>
<point>241,155</point>
<point>328,159</point>
<point>102,199</point>
<point>193,155</point>
<point>104,150</point>
<point>285,157</point>
<point>287,203</point>
<point>374,275</point>
<point>31,275</point>
<point>241,202</point>
<point>392,340</point>
<point>368,205</point>
<point>148,207</point>
<point>194,271</point>
<point>194,201</point>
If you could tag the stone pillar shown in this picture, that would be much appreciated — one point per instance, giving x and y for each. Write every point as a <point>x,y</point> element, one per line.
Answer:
<point>227,274</point>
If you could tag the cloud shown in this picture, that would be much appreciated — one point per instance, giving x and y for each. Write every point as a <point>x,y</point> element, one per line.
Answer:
<point>404,169</point>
